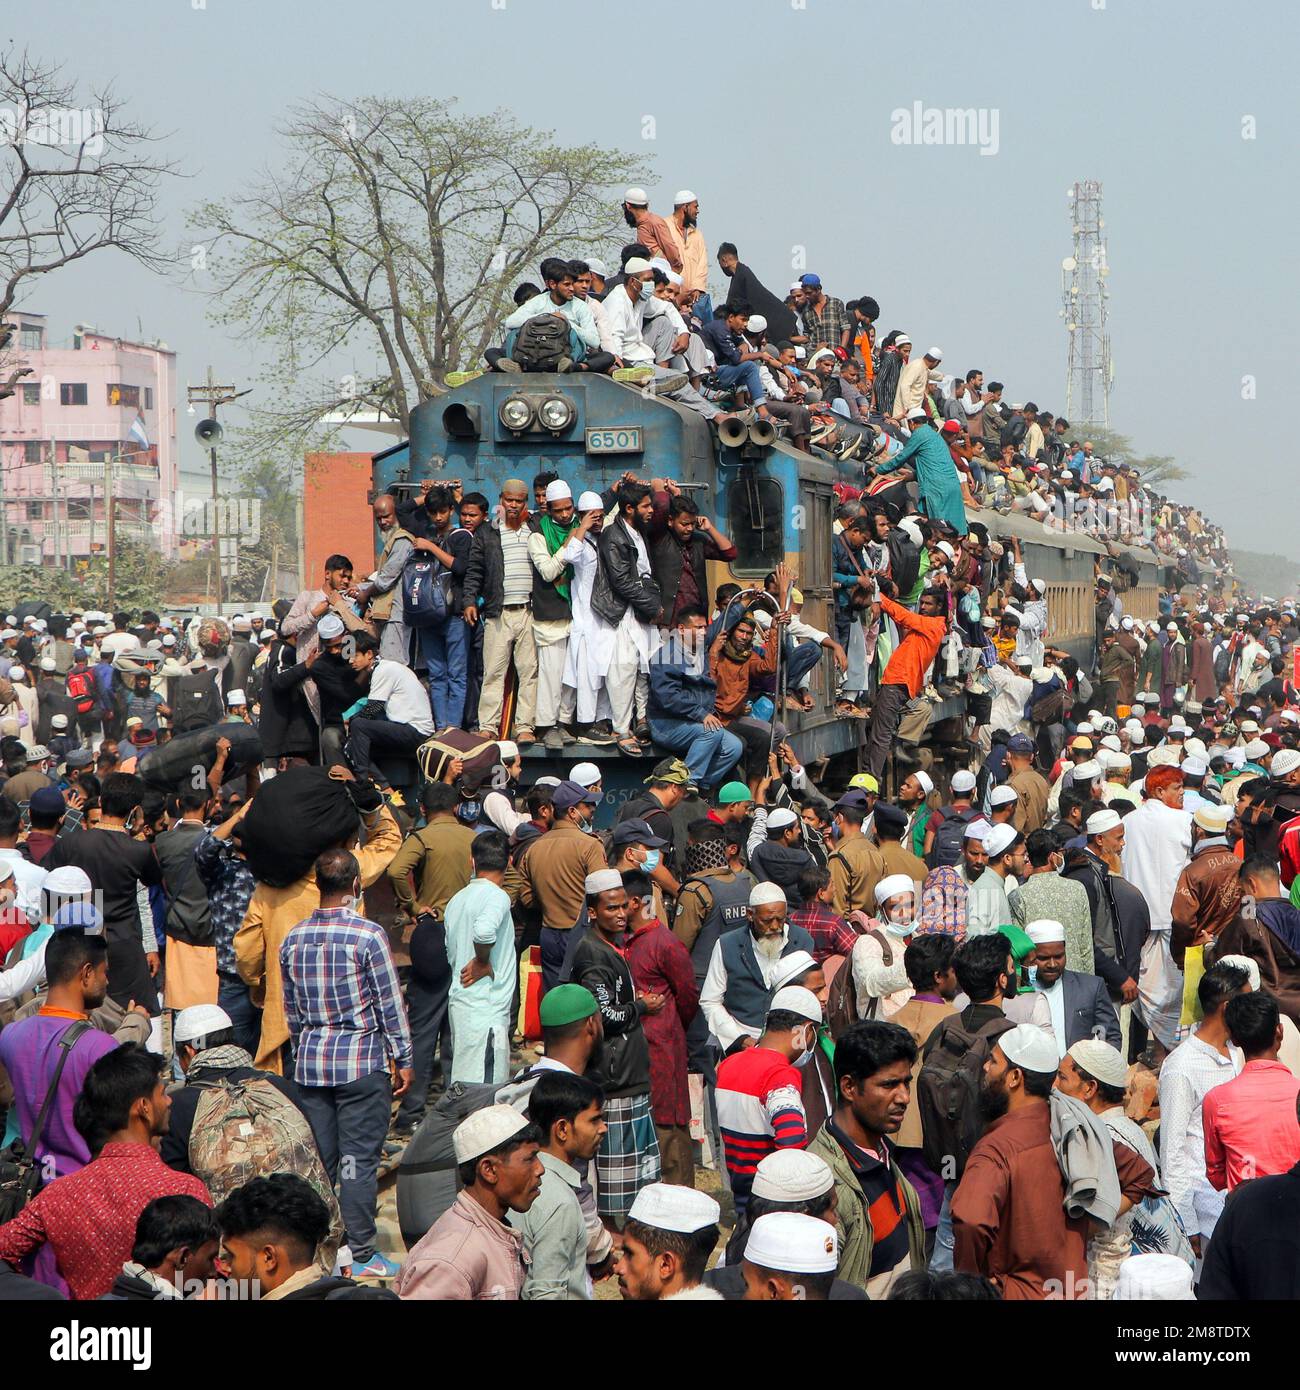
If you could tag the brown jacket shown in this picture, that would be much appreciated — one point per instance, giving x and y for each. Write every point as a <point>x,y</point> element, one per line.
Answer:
<point>900,860</point>
<point>439,857</point>
<point>273,913</point>
<point>733,677</point>
<point>1031,810</point>
<point>1208,895</point>
<point>856,866</point>
<point>555,872</point>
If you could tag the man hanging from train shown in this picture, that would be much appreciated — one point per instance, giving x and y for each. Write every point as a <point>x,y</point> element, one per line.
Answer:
<point>553,612</point>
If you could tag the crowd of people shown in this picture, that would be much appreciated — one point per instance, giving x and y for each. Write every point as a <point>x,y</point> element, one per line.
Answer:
<point>1015,1021</point>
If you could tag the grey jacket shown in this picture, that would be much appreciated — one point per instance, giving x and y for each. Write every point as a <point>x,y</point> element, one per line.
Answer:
<point>1085,1153</point>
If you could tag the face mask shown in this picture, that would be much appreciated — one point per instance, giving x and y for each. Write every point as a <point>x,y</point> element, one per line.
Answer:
<point>588,827</point>
<point>811,1039</point>
<point>900,928</point>
<point>647,289</point>
<point>1032,972</point>
<point>651,860</point>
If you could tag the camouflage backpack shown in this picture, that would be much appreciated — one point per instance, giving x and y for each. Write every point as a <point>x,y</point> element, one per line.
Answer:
<point>249,1129</point>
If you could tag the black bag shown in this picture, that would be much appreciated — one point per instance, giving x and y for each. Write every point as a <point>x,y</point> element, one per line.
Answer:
<point>1014,431</point>
<point>20,1174</point>
<point>947,846</point>
<point>947,1092</point>
<point>426,592</point>
<point>842,998</point>
<point>541,342</point>
<point>175,764</point>
<point>196,703</point>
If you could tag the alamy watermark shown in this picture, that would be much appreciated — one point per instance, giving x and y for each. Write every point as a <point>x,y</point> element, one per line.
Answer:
<point>65,127</point>
<point>919,124</point>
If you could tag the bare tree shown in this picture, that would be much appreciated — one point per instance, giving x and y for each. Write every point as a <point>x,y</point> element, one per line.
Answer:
<point>76,177</point>
<point>397,228</point>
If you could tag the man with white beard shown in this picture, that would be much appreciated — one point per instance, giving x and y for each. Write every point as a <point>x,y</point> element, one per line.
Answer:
<point>738,985</point>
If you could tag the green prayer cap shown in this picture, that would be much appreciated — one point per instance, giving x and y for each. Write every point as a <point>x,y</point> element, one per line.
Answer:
<point>1019,941</point>
<point>567,1004</point>
<point>732,792</point>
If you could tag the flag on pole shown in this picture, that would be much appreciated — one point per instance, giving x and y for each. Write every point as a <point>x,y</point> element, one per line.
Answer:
<point>137,431</point>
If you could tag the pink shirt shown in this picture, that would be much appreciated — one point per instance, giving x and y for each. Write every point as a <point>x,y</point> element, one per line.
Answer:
<point>1251,1130</point>
<point>465,1254</point>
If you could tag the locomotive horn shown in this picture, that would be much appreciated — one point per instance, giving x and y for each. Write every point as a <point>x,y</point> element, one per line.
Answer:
<point>732,431</point>
<point>762,432</point>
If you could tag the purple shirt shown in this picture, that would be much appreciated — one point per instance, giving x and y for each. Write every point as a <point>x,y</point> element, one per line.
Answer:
<point>29,1051</point>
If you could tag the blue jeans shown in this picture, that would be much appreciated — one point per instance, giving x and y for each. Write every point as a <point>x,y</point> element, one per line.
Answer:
<point>745,375</point>
<point>801,660</point>
<point>426,1008</point>
<point>942,1256</point>
<point>350,1123</point>
<point>709,753</point>
<point>446,656</point>
<point>245,1016</point>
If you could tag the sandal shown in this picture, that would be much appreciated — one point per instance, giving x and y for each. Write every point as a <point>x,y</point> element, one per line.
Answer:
<point>629,745</point>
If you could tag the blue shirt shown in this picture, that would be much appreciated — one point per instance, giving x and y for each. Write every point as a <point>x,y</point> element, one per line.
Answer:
<point>721,342</point>
<point>342,1000</point>
<point>479,915</point>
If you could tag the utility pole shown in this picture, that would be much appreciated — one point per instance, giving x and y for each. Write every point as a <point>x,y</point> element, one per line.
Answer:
<point>208,433</point>
<point>109,504</point>
<point>1085,295</point>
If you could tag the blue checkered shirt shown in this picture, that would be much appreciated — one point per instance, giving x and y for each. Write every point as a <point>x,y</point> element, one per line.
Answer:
<point>342,1000</point>
<point>230,885</point>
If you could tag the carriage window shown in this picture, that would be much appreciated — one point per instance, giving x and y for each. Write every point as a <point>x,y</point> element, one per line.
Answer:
<point>756,517</point>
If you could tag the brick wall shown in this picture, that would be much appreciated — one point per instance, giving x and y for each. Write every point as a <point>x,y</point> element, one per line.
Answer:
<point>335,514</point>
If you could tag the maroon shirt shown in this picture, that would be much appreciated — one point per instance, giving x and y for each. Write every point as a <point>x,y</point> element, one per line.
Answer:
<point>660,964</point>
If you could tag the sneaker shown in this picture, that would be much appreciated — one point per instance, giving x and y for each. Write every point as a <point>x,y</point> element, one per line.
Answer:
<point>565,364</point>
<point>454,379</point>
<point>376,1267</point>
<point>599,733</point>
<point>554,740</point>
<point>674,381</point>
<point>567,735</point>
<point>633,375</point>
<point>508,364</point>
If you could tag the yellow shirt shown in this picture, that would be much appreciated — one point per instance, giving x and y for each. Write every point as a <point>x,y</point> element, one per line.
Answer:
<point>694,253</point>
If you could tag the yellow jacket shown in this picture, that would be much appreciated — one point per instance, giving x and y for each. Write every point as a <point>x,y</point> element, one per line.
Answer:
<point>274,912</point>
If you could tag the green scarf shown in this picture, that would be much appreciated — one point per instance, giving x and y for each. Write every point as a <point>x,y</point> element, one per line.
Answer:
<point>557,537</point>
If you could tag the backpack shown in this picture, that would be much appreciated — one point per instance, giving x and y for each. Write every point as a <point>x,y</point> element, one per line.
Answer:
<point>1014,431</point>
<point>947,1092</point>
<point>947,846</point>
<point>1049,708</point>
<point>541,342</point>
<point>842,995</point>
<point>249,1129</point>
<point>197,703</point>
<point>426,592</point>
<point>81,688</point>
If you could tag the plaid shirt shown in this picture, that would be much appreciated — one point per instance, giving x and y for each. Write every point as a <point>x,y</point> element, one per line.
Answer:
<point>832,935</point>
<point>342,1000</point>
<point>230,885</point>
<point>826,327</point>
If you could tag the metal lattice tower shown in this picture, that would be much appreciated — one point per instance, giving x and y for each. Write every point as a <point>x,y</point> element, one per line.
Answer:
<point>1084,297</point>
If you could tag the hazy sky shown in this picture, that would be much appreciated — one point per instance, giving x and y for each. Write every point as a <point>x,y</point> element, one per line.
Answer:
<point>778,115</point>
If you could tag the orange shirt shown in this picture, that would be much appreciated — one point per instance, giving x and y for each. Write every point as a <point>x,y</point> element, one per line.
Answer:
<point>915,654</point>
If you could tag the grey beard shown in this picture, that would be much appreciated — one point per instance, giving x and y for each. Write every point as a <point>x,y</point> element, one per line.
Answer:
<point>769,948</point>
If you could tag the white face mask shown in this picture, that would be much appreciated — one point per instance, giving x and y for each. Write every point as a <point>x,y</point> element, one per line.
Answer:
<point>811,1039</point>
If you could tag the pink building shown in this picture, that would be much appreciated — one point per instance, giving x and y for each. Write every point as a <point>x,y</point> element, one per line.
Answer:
<point>97,413</point>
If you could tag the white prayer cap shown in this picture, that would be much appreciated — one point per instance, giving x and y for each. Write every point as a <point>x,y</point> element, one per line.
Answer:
<point>934,354</point>
<point>1291,716</point>
<point>795,999</point>
<point>1029,1047</point>
<point>508,750</point>
<point>1248,726</point>
<point>557,490</point>
<point>1087,772</point>
<point>792,1175</point>
<point>584,774</point>
<point>602,881</point>
<point>236,698</point>
<point>755,323</point>
<point>1126,624</point>
<point>1285,761</point>
<point>198,1021</point>
<point>925,780</point>
<point>1213,818</point>
<point>48,663</point>
<point>330,627</point>
<point>963,780</point>
<point>792,1243</point>
<point>1242,963</point>
<point>636,266</point>
<point>170,639</point>
<point>902,341</point>
<point>1256,748</point>
<point>637,197</point>
<point>1111,742</point>
<point>684,196</point>
<point>1196,767</point>
<point>791,967</point>
<point>892,885</point>
<point>590,502</point>
<point>1044,931</point>
<point>1195,748</point>
<point>1010,611</point>
<point>1164,757</point>
<point>1235,757</point>
<point>669,1207</point>
<point>1040,585</point>
<point>1021,662</point>
<point>67,881</point>
<point>598,267</point>
<point>547,782</point>
<point>916,413</point>
<point>1111,759</point>
<point>1101,1061</point>
<point>58,721</point>
<point>1000,839</point>
<point>17,673</point>
<point>1151,1278</point>
<point>763,893</point>
<point>977,830</point>
<point>1135,728</point>
<point>781,819</point>
<point>1003,796</point>
<point>485,1130</point>
<point>1176,723</point>
<point>266,635</point>
<point>1087,727</point>
<point>1101,821</point>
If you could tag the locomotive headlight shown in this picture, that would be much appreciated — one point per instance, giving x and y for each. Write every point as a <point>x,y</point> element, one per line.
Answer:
<point>557,413</point>
<point>516,413</point>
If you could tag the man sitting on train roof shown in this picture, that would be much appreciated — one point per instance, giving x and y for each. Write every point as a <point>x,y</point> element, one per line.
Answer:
<point>538,353</point>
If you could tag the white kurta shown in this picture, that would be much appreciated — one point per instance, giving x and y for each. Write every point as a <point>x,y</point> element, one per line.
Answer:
<point>591,640</point>
<point>1157,848</point>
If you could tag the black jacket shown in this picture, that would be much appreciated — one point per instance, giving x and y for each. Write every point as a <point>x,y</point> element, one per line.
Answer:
<point>187,897</point>
<point>1119,915</point>
<point>239,667</point>
<point>772,862</point>
<point>622,1063</point>
<point>129,1288</point>
<point>618,586</point>
<point>335,1289</point>
<point>285,720</point>
<point>1088,1010</point>
<point>337,685</point>
<point>485,575</point>
<point>1255,1253</point>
